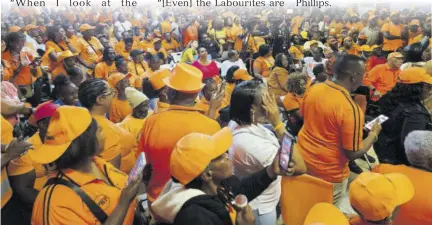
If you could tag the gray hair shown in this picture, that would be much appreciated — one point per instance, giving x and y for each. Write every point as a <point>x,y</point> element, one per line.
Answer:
<point>418,149</point>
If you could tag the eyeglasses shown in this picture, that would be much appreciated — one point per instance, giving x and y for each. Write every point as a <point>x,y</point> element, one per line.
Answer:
<point>110,92</point>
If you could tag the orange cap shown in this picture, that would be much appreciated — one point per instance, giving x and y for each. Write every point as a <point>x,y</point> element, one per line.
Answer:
<point>85,27</point>
<point>325,214</point>
<point>14,29</point>
<point>375,46</point>
<point>194,152</point>
<point>414,22</point>
<point>156,79</point>
<point>394,55</point>
<point>67,123</point>
<point>185,78</point>
<point>241,74</point>
<point>365,48</point>
<point>414,75</point>
<point>30,26</point>
<point>157,32</point>
<point>116,77</point>
<point>375,196</point>
<point>66,54</point>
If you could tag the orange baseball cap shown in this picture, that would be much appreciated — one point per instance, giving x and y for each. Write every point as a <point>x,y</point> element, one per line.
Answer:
<point>156,79</point>
<point>194,152</point>
<point>394,55</point>
<point>325,214</point>
<point>366,48</point>
<point>414,22</point>
<point>185,78</point>
<point>375,196</point>
<point>114,78</point>
<point>67,123</point>
<point>414,75</point>
<point>241,74</point>
<point>30,26</point>
<point>65,55</point>
<point>14,29</point>
<point>85,27</point>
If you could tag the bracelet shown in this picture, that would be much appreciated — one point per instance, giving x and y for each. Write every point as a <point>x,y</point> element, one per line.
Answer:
<point>375,136</point>
<point>278,126</point>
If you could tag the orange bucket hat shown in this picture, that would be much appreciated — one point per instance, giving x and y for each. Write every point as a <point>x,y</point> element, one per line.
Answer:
<point>14,29</point>
<point>85,27</point>
<point>67,123</point>
<point>66,54</point>
<point>415,75</point>
<point>156,79</point>
<point>194,152</point>
<point>185,78</point>
<point>375,196</point>
<point>114,78</point>
<point>394,55</point>
<point>241,74</point>
<point>326,214</point>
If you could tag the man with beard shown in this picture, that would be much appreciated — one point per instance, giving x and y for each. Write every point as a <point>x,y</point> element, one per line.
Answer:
<point>333,44</point>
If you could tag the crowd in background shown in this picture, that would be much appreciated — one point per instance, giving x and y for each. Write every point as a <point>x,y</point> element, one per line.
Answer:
<point>208,97</point>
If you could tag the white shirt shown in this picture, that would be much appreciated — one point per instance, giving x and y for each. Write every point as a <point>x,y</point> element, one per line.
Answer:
<point>228,64</point>
<point>254,148</point>
<point>122,27</point>
<point>310,63</point>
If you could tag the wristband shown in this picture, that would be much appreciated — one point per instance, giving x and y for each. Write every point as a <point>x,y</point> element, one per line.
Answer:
<point>278,126</point>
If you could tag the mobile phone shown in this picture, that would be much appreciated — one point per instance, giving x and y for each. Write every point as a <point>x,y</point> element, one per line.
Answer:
<point>380,118</point>
<point>286,151</point>
<point>138,168</point>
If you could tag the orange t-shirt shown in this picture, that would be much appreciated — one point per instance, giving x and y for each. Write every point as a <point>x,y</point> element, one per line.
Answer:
<point>292,101</point>
<point>120,48</point>
<point>382,77</point>
<point>90,51</point>
<point>165,27</point>
<point>112,145</point>
<point>229,89</point>
<point>6,138</point>
<point>323,138</point>
<point>134,126</point>
<point>160,134</point>
<point>57,48</point>
<point>63,206</point>
<point>24,77</point>
<point>161,107</point>
<point>119,110</point>
<point>263,65</point>
<point>138,69</point>
<point>418,211</point>
<point>395,30</point>
<point>170,46</point>
<point>162,50</point>
<point>58,70</point>
<point>102,70</point>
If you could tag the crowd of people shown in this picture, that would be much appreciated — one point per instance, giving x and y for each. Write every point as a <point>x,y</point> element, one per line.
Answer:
<point>208,98</point>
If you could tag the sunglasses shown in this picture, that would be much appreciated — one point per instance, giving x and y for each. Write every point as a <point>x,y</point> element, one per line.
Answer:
<point>110,92</point>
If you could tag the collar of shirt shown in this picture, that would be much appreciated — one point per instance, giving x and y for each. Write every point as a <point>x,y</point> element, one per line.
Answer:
<point>185,108</point>
<point>337,86</point>
<point>81,178</point>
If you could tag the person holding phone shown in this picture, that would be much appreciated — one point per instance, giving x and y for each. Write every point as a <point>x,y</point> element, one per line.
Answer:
<point>202,189</point>
<point>254,146</point>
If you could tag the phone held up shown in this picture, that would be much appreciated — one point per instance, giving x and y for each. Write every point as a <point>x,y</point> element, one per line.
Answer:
<point>286,151</point>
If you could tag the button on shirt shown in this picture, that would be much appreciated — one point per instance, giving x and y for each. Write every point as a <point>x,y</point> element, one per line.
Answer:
<point>254,148</point>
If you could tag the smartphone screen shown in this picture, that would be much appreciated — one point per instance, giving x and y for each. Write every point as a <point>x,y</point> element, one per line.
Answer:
<point>286,151</point>
<point>380,118</point>
<point>138,168</point>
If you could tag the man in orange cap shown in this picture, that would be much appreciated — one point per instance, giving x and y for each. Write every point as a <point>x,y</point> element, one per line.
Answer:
<point>392,33</point>
<point>68,61</point>
<point>120,107</point>
<point>375,197</point>
<point>199,164</point>
<point>382,78</point>
<point>162,130</point>
<point>89,47</point>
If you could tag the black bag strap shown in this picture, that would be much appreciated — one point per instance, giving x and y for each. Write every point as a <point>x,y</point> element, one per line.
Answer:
<point>94,208</point>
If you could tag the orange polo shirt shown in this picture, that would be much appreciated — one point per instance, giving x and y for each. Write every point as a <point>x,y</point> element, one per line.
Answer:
<point>138,69</point>
<point>393,29</point>
<point>170,46</point>
<point>292,101</point>
<point>119,110</point>
<point>63,206</point>
<point>112,145</point>
<point>161,107</point>
<point>263,65</point>
<point>120,48</point>
<point>24,77</point>
<point>25,164</point>
<point>58,70</point>
<point>418,211</point>
<point>323,138</point>
<point>57,48</point>
<point>134,126</point>
<point>159,136</point>
<point>162,50</point>
<point>103,70</point>
<point>382,77</point>
<point>90,51</point>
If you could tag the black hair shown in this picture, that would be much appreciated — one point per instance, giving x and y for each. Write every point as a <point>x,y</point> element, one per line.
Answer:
<point>82,147</point>
<point>119,60</point>
<point>158,56</point>
<point>66,26</point>
<point>51,31</point>
<point>231,53</point>
<point>105,53</point>
<point>230,74</point>
<point>242,99</point>
<point>318,69</point>
<point>128,40</point>
<point>148,89</point>
<point>89,90</point>
<point>278,60</point>
<point>13,37</point>
<point>224,114</point>
<point>344,64</point>
<point>59,82</point>
<point>401,93</point>
<point>264,50</point>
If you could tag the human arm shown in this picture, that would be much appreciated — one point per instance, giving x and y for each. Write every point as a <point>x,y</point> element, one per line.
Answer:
<point>8,109</point>
<point>367,143</point>
<point>23,185</point>
<point>17,147</point>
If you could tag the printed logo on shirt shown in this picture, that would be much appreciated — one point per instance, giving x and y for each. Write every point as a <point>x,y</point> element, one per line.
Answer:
<point>102,201</point>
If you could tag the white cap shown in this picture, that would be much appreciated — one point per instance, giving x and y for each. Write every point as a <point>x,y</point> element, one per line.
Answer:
<point>135,97</point>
